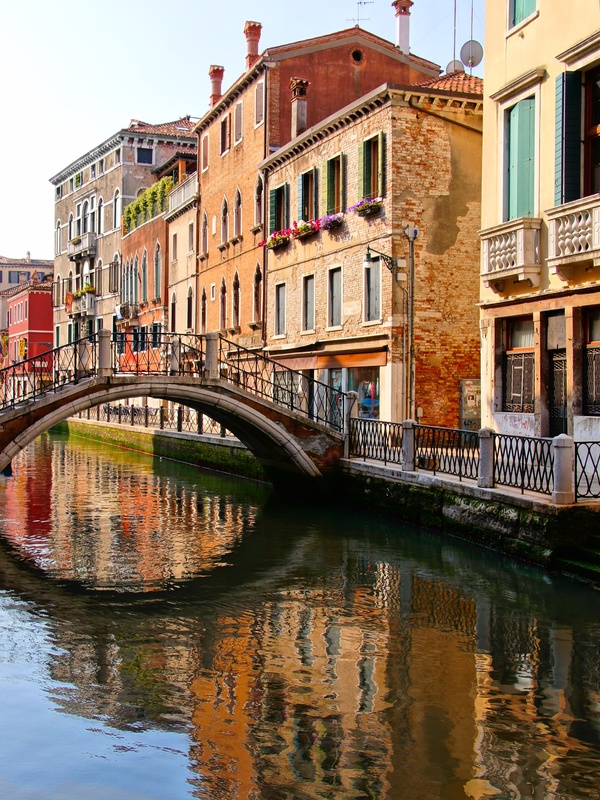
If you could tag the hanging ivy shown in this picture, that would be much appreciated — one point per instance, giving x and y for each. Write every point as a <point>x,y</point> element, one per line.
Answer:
<point>150,202</point>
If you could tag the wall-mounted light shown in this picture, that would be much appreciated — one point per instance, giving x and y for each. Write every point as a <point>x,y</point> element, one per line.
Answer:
<point>388,261</point>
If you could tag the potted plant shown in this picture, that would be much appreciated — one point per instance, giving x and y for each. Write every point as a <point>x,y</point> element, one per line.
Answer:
<point>302,229</point>
<point>277,239</point>
<point>368,205</point>
<point>331,221</point>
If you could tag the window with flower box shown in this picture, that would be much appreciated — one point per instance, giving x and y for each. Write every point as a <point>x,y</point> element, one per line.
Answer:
<point>307,195</point>
<point>371,167</point>
<point>279,208</point>
<point>333,185</point>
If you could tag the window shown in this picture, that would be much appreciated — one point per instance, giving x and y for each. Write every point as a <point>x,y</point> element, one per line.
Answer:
<point>237,214</point>
<point>372,292</point>
<point>57,293</point>
<point>225,133</point>
<point>591,364</point>
<point>85,217</point>
<point>101,167</point>
<point>280,309</point>
<point>58,244</point>
<point>116,209</point>
<point>333,185</point>
<point>157,272</point>
<point>173,312</point>
<point>100,228</point>
<point>205,152</point>
<point>58,192</point>
<point>224,221</point>
<point>144,155</point>
<point>145,277</point>
<point>518,367</point>
<point>259,103</point>
<point>334,306</point>
<point>204,243</point>
<point>70,229</point>
<point>519,195</point>
<point>279,204</point>
<point>308,303</point>
<point>371,167</point>
<point>592,131</point>
<point>114,274</point>
<point>223,308</point>
<point>174,247</point>
<point>235,310</point>
<point>257,295</point>
<point>203,312</point>
<point>57,336</point>
<point>118,156</point>
<point>155,336</point>
<point>93,171</point>
<point>238,123</point>
<point>191,237</point>
<point>78,180</point>
<point>520,10</point>
<point>135,282</point>
<point>307,196</point>
<point>190,309</point>
<point>92,223</point>
<point>78,219</point>
<point>258,201</point>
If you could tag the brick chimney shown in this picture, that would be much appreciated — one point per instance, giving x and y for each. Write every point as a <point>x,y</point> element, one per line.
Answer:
<point>215,74</point>
<point>299,105</point>
<point>402,24</point>
<point>252,33</point>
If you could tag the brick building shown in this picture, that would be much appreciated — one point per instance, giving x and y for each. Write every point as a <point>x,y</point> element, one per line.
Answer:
<point>91,194</point>
<point>247,123</point>
<point>399,158</point>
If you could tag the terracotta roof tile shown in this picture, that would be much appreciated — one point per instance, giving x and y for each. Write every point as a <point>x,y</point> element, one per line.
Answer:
<point>455,82</point>
<point>179,127</point>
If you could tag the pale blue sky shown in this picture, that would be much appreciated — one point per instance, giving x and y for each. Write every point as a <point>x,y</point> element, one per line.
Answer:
<point>74,73</point>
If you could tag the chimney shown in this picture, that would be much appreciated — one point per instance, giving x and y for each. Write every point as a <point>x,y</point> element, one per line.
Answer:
<point>215,74</point>
<point>402,24</point>
<point>252,33</point>
<point>28,256</point>
<point>299,105</point>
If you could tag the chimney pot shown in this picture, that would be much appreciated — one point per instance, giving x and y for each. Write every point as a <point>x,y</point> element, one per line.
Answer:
<point>402,24</point>
<point>215,73</point>
<point>252,32</point>
<point>299,105</point>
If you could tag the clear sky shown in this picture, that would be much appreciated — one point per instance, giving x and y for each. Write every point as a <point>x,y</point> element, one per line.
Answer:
<point>73,73</point>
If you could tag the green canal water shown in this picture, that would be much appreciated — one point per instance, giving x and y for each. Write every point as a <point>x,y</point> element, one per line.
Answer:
<point>169,633</point>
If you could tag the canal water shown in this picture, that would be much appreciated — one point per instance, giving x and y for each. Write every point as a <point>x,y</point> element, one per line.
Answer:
<point>168,633</point>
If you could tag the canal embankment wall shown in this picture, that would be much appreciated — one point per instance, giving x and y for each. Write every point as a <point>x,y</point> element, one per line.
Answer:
<point>525,526</point>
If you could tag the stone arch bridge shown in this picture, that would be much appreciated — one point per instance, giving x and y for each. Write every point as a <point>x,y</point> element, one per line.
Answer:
<point>292,423</point>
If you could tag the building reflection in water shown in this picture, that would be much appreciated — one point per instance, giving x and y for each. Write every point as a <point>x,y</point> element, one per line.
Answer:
<point>314,665</point>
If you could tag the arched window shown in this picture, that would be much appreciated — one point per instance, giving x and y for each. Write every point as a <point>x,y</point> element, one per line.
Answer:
<point>58,297</point>
<point>58,244</point>
<point>100,228</point>
<point>258,201</point>
<point>237,214</point>
<point>125,283</point>
<point>190,309</point>
<point>257,295</point>
<point>173,312</point>
<point>70,232</point>
<point>116,209</point>
<point>98,279</point>
<point>204,242</point>
<point>223,306</point>
<point>203,312</point>
<point>70,282</point>
<point>224,221</point>
<point>135,281</point>
<point>145,277</point>
<point>85,217</point>
<point>235,310</point>
<point>157,272</point>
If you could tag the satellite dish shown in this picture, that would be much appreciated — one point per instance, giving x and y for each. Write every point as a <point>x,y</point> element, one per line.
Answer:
<point>455,66</point>
<point>471,53</point>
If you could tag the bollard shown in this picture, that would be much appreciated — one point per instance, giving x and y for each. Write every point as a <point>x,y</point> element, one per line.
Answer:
<point>562,453</point>
<point>350,412</point>
<point>485,476</point>
<point>408,445</point>
<point>104,367</point>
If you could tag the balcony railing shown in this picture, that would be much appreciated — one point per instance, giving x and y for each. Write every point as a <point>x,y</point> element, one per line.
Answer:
<point>511,251</point>
<point>84,305</point>
<point>84,245</point>
<point>184,192</point>
<point>574,236</point>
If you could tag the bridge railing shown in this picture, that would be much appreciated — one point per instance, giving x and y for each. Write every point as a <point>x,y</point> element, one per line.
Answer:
<point>142,353</point>
<point>48,371</point>
<point>288,388</point>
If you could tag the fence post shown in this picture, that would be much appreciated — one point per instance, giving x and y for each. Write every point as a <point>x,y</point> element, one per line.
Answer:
<point>223,431</point>
<point>200,421</point>
<point>350,412</point>
<point>485,476</point>
<point>146,417</point>
<point>161,418</point>
<point>132,415</point>
<point>408,445</point>
<point>175,355</point>
<point>104,368</point>
<point>562,454</point>
<point>179,418</point>
<point>212,355</point>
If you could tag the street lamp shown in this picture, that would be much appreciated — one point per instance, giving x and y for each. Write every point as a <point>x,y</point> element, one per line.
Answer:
<point>411,234</point>
<point>388,261</point>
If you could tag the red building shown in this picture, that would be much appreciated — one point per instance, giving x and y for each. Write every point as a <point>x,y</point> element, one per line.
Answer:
<point>29,318</point>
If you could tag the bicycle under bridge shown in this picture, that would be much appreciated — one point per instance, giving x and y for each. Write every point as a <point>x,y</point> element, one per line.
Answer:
<point>294,424</point>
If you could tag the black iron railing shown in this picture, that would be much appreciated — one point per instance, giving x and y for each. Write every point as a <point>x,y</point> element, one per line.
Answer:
<point>524,463</point>
<point>448,450</point>
<point>587,470</point>
<point>174,418</point>
<point>376,440</point>
<point>166,354</point>
<point>48,371</point>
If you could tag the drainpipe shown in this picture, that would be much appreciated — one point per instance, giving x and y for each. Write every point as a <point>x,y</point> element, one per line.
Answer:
<point>265,196</point>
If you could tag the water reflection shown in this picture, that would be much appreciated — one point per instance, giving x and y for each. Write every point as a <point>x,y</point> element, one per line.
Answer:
<point>314,663</point>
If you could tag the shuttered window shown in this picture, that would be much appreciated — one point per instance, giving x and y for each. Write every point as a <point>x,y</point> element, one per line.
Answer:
<point>238,123</point>
<point>521,159</point>
<point>280,309</point>
<point>335,298</point>
<point>567,183</point>
<point>307,196</point>
<point>279,205</point>
<point>520,10</point>
<point>333,185</point>
<point>308,303</point>
<point>371,167</point>
<point>259,103</point>
<point>372,292</point>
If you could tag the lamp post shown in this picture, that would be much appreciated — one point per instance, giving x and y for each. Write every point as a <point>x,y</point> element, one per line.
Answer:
<point>411,234</point>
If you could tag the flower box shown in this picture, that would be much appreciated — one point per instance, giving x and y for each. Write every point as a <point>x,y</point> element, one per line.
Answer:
<point>300,230</point>
<point>331,221</point>
<point>275,244</point>
<point>368,206</point>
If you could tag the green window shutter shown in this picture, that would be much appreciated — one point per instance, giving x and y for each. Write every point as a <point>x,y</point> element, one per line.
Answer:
<point>300,198</point>
<point>315,193</point>
<point>272,210</point>
<point>380,164</point>
<point>325,188</point>
<point>361,170</point>
<point>343,171</point>
<point>286,205</point>
<point>567,185</point>
<point>521,9</point>
<point>521,159</point>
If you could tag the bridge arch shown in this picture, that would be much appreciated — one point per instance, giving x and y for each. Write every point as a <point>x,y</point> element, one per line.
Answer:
<point>287,446</point>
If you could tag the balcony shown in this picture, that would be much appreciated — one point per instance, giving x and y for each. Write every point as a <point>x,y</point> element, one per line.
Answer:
<point>182,194</point>
<point>82,246</point>
<point>574,236</point>
<point>127,312</point>
<point>511,252</point>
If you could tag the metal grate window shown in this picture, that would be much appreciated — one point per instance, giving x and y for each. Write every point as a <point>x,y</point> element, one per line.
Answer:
<point>591,400</point>
<point>519,382</point>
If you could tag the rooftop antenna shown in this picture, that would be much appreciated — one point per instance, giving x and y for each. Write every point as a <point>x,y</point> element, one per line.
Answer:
<point>360,3</point>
